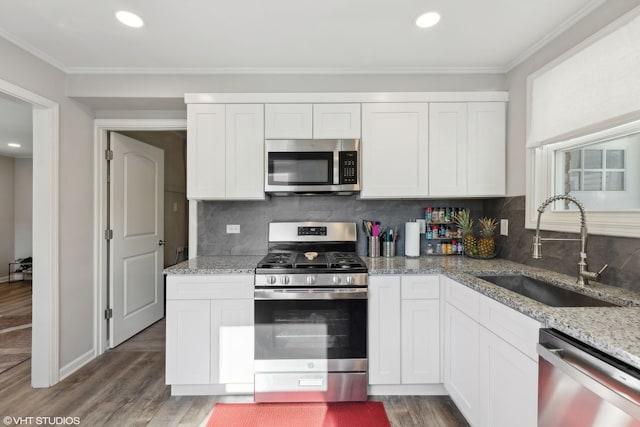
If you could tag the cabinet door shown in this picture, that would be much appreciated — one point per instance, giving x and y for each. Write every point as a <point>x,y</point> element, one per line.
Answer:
<point>461,367</point>
<point>288,121</point>
<point>336,121</point>
<point>447,149</point>
<point>394,150</point>
<point>486,149</point>
<point>206,151</point>
<point>244,151</point>
<point>420,341</point>
<point>188,342</point>
<point>508,384</point>
<point>384,330</point>
<point>232,341</point>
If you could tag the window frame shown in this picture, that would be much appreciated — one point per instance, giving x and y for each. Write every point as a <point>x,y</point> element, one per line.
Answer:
<point>540,177</point>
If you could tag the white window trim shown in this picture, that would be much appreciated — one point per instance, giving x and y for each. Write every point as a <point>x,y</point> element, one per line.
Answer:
<point>539,186</point>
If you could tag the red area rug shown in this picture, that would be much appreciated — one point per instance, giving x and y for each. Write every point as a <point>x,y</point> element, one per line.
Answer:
<point>343,414</point>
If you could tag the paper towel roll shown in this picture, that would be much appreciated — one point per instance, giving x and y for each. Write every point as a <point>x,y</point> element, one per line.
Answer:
<point>412,239</point>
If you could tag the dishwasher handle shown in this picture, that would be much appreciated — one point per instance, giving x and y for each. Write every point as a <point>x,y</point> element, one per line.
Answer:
<point>602,378</point>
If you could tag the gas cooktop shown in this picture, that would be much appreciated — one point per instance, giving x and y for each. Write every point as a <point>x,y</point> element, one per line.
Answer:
<point>311,260</point>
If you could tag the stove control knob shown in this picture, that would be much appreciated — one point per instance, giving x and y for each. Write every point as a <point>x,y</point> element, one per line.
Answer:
<point>284,280</point>
<point>311,279</point>
<point>271,280</point>
<point>350,280</point>
<point>336,280</point>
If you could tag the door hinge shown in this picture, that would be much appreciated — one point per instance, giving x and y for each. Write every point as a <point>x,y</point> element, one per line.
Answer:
<point>108,154</point>
<point>108,234</point>
<point>108,313</point>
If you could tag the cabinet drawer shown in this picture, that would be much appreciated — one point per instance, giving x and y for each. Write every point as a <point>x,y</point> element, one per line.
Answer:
<point>464,299</point>
<point>516,328</point>
<point>236,286</point>
<point>420,287</point>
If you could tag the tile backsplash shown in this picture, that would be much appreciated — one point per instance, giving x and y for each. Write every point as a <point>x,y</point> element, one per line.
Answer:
<point>254,216</point>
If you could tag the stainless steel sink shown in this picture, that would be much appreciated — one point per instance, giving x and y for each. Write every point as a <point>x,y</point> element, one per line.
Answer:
<point>544,292</point>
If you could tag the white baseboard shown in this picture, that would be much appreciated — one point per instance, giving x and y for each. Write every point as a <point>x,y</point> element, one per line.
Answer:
<point>4,279</point>
<point>408,390</point>
<point>77,363</point>
<point>211,389</point>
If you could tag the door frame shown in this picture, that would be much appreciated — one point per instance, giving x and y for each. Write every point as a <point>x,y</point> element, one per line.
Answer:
<point>101,129</point>
<point>45,331</point>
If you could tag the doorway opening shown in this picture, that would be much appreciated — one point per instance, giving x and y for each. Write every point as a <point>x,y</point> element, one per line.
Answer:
<point>16,189</point>
<point>170,137</point>
<point>45,369</point>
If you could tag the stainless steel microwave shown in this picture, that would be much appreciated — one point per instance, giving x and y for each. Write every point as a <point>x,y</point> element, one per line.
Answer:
<point>307,166</point>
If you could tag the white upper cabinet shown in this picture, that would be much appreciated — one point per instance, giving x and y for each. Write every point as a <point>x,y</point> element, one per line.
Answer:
<point>307,121</point>
<point>395,150</point>
<point>447,149</point>
<point>336,121</point>
<point>205,151</point>
<point>467,149</point>
<point>244,152</point>
<point>486,149</point>
<point>225,151</point>
<point>288,121</point>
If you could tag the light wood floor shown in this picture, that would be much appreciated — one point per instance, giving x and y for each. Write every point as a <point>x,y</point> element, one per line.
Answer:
<point>125,387</point>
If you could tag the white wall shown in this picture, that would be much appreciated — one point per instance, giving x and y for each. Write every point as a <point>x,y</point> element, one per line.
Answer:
<point>517,84</point>
<point>6,214</point>
<point>76,197</point>
<point>23,208</point>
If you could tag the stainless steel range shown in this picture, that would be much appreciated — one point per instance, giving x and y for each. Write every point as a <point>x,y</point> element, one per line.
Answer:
<point>311,315</point>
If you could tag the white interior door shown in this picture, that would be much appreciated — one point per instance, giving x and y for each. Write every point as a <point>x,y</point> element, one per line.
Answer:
<point>137,251</point>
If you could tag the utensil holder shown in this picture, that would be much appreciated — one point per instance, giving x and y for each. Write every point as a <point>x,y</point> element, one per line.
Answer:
<point>388,249</point>
<point>374,247</point>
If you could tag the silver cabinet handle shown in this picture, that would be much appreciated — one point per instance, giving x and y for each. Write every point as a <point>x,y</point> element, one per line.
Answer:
<point>162,242</point>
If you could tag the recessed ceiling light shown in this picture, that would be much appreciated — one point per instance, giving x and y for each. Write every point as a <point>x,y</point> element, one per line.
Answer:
<point>428,19</point>
<point>14,145</point>
<point>129,19</point>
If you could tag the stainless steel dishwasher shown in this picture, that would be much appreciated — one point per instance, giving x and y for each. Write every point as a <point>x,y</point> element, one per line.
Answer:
<point>579,386</point>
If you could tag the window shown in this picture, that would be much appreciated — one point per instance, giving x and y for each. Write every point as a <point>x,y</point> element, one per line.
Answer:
<point>602,170</point>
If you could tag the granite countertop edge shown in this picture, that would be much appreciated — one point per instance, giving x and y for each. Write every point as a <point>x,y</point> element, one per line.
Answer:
<point>613,330</point>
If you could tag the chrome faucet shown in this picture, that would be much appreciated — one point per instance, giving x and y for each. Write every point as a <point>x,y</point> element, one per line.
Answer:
<point>584,275</point>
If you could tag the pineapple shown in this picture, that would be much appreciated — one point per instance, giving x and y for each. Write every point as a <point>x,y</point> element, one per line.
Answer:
<point>465,223</point>
<point>486,244</point>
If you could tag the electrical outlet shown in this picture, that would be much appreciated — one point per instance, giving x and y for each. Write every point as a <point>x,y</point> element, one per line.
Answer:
<point>175,206</point>
<point>504,227</point>
<point>233,228</point>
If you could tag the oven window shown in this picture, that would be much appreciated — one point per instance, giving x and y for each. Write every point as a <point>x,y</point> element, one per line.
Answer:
<point>310,329</point>
<point>303,168</point>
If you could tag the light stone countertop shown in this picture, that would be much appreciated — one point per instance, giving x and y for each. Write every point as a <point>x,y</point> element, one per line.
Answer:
<point>613,330</point>
<point>221,264</point>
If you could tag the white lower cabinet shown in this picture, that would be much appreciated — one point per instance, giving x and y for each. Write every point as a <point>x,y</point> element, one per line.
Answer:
<point>461,361</point>
<point>404,330</point>
<point>490,364</point>
<point>384,330</point>
<point>209,335</point>
<point>188,338</point>
<point>509,384</point>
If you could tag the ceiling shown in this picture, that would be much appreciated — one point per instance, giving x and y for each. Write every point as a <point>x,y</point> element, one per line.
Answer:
<point>276,36</point>
<point>15,126</point>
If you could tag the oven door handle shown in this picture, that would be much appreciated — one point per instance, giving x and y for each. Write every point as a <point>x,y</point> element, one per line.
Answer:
<point>310,294</point>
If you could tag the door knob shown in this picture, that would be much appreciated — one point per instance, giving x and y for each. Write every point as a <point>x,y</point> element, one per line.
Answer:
<point>162,242</point>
